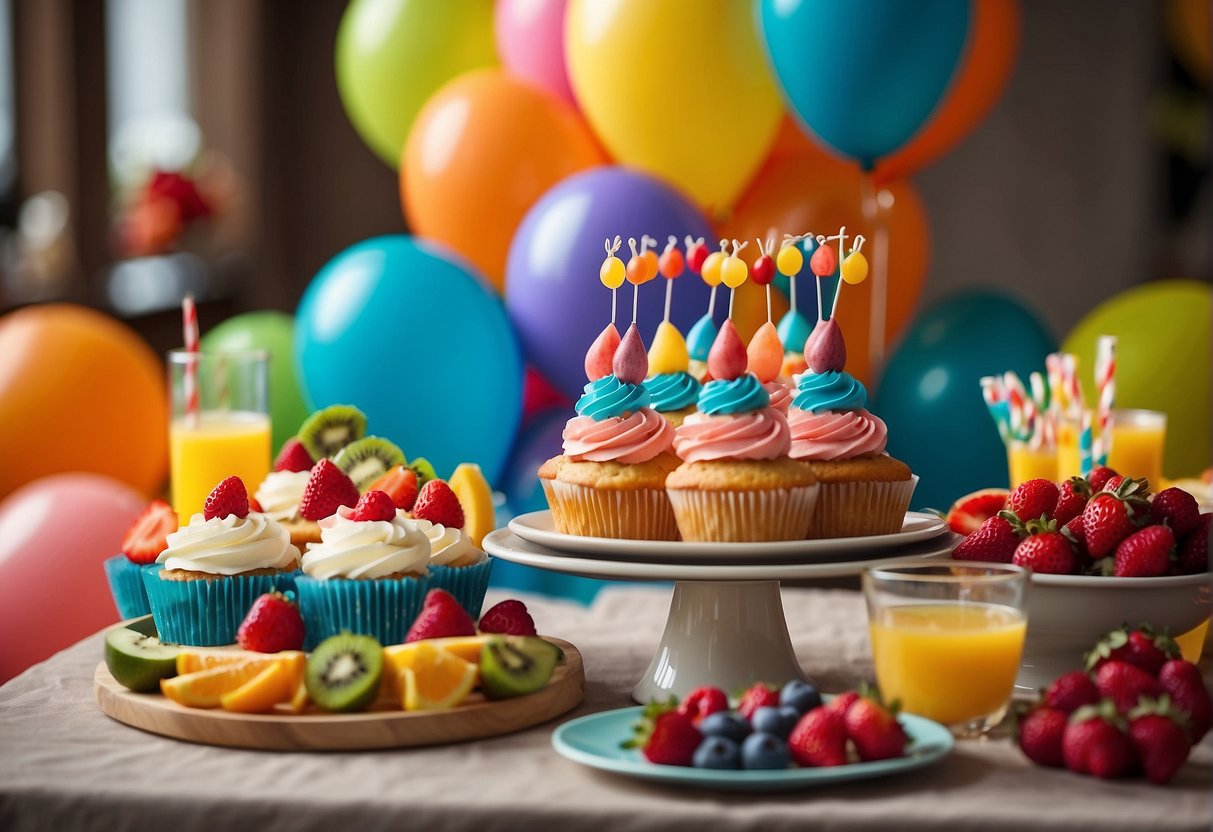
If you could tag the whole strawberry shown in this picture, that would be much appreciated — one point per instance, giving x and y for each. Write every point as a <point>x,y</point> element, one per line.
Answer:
<point>1183,683</point>
<point>874,730</point>
<point>1111,516</point>
<point>1159,738</point>
<point>1045,550</point>
<point>1033,499</point>
<point>441,616</point>
<point>229,497</point>
<point>665,736</point>
<point>1095,743</point>
<point>1077,535</point>
<point>327,489</point>
<point>1194,550</point>
<point>374,505</point>
<point>437,503</point>
<point>841,704</point>
<point>1125,684</point>
<point>759,695</point>
<point>1040,736</point>
<point>293,457</point>
<point>273,624</point>
<point>819,739</point>
<point>1071,691</point>
<point>1071,500</point>
<point>704,701</point>
<point>1145,554</point>
<point>508,618</point>
<point>1177,508</point>
<point>1137,645</point>
<point>993,542</point>
<point>1099,477</point>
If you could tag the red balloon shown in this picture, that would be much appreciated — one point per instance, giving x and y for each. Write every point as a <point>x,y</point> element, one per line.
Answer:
<point>696,254</point>
<point>763,271</point>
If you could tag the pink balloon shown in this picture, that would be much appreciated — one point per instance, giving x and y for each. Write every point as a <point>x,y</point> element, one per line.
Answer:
<point>530,41</point>
<point>54,534</point>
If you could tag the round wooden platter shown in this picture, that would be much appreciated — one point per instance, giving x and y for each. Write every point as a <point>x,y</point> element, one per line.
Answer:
<point>383,726</point>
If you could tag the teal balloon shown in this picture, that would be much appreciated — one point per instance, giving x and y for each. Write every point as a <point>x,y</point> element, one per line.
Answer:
<point>273,332</point>
<point>930,395</point>
<point>864,75</point>
<point>406,331</point>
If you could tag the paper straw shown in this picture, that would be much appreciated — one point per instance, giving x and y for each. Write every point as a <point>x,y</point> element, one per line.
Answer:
<point>189,322</point>
<point>992,393</point>
<point>1016,400</point>
<point>1105,385</point>
<point>1057,388</point>
<point>1084,444</point>
<point>1069,367</point>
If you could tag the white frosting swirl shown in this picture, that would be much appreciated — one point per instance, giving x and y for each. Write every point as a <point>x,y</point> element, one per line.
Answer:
<point>229,545</point>
<point>366,548</point>
<point>448,546</point>
<point>280,492</point>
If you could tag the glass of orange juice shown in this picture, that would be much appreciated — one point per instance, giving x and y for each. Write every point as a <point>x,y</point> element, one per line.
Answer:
<point>1069,455</point>
<point>230,435</point>
<point>947,639</point>
<point>1025,462</point>
<point>1139,438</point>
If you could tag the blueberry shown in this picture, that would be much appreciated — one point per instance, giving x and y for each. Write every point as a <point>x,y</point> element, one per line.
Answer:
<point>717,752</point>
<point>764,751</point>
<point>777,721</point>
<point>725,724</point>
<point>803,696</point>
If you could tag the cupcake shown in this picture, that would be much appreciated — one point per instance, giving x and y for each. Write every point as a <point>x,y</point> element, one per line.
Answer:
<point>213,569</point>
<point>736,482</point>
<point>864,491</point>
<point>456,564</point>
<point>143,543</point>
<point>610,480</point>
<point>672,390</point>
<point>279,495</point>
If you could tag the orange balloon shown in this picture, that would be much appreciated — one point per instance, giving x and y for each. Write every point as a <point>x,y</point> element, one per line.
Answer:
<point>985,69</point>
<point>810,192</point>
<point>79,391</point>
<point>482,151</point>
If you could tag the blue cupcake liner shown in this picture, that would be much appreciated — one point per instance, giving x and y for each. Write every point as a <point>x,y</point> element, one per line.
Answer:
<point>467,583</point>
<point>126,585</point>
<point>383,608</point>
<point>206,613</point>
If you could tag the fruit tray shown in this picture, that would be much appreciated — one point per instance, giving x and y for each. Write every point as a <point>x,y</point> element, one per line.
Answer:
<point>383,726</point>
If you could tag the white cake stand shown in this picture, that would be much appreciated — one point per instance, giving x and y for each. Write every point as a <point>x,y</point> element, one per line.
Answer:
<point>726,625</point>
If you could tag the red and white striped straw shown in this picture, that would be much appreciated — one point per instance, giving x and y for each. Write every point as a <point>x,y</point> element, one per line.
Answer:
<point>1105,385</point>
<point>189,321</point>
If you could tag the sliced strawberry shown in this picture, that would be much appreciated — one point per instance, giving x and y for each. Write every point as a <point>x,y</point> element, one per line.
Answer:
<point>399,483</point>
<point>145,539</point>
<point>509,618</point>
<point>972,510</point>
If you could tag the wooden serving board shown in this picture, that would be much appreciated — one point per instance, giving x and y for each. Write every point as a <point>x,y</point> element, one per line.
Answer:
<point>315,730</point>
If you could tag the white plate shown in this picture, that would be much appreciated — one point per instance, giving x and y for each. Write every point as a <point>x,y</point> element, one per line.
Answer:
<point>537,527</point>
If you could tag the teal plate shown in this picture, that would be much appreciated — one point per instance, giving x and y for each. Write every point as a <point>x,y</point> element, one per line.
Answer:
<point>594,741</point>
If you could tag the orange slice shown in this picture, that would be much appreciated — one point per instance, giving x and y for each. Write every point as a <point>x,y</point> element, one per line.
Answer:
<point>193,659</point>
<point>399,656</point>
<point>434,679</point>
<point>299,699</point>
<point>204,688</point>
<point>276,683</point>
<point>476,499</point>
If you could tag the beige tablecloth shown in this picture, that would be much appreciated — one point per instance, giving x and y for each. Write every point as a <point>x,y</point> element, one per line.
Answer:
<point>64,765</point>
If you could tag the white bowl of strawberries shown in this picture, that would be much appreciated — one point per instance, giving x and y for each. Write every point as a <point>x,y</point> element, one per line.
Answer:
<point>1103,552</point>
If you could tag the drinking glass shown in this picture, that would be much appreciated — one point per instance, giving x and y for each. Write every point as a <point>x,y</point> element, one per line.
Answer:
<point>1139,438</point>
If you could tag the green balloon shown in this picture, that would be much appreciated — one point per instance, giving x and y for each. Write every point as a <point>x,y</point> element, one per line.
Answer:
<point>1162,362</point>
<point>392,55</point>
<point>273,332</point>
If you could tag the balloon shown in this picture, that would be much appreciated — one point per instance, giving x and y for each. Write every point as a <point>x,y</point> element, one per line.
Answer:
<point>678,89</point>
<point>930,397</point>
<point>799,193</point>
<point>552,291</point>
<point>539,394</point>
<point>980,80</point>
<point>482,151</point>
<point>864,75</point>
<point>55,533</point>
<point>539,440</point>
<point>530,40</point>
<point>1162,362</point>
<point>273,332</point>
<point>79,391</point>
<point>393,54</point>
<point>401,329</point>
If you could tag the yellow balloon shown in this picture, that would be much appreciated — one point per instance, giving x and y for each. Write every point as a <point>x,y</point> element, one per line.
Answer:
<point>854,268</point>
<point>789,261</point>
<point>710,272</point>
<point>669,351</point>
<point>703,59</point>
<point>612,273</point>
<point>733,272</point>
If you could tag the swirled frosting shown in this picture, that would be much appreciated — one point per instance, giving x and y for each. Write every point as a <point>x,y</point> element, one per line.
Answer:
<point>781,395</point>
<point>835,434</point>
<point>448,546</point>
<point>740,395</point>
<point>672,391</point>
<point>608,397</point>
<point>366,548</point>
<point>761,434</point>
<point>229,545</point>
<point>829,391</point>
<point>637,437</point>
<point>280,492</point>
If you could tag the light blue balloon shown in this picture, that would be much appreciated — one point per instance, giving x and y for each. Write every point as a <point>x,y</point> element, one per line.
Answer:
<point>403,329</point>
<point>864,75</point>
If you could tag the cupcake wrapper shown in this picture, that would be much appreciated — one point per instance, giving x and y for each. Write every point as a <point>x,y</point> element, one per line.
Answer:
<point>126,585</point>
<point>383,608</point>
<point>854,509</point>
<point>206,613</point>
<point>635,514</point>
<point>467,583</point>
<point>744,516</point>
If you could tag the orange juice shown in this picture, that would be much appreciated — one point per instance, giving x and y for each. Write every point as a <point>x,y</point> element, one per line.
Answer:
<point>1137,450</point>
<point>948,662</point>
<point>222,444</point>
<point>1025,463</point>
<point>1069,458</point>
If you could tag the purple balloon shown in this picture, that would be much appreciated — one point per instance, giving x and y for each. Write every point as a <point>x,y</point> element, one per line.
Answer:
<point>552,292</point>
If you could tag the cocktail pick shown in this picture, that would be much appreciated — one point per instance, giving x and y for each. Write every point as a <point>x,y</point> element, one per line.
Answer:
<point>601,354</point>
<point>710,272</point>
<point>631,363</point>
<point>668,354</point>
<point>670,265</point>
<point>641,268</point>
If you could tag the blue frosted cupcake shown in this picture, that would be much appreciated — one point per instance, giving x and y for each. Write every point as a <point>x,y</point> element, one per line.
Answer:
<point>126,585</point>
<point>673,391</point>
<point>457,565</point>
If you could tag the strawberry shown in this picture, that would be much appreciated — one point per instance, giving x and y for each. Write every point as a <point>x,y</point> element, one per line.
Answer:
<point>819,739</point>
<point>704,701</point>
<point>1071,500</point>
<point>994,542</point>
<point>254,506</point>
<point>1040,736</point>
<point>972,510</point>
<point>874,730</point>
<point>1111,516</point>
<point>1138,646</point>
<point>509,618</point>
<point>1033,499</point>
<point>1159,738</point>
<point>374,505</point>
<point>440,617</point>
<point>1145,553</point>
<point>842,702</point>
<point>760,695</point>
<point>437,503</point>
<point>1045,550</point>
<point>1099,477</point>
<point>145,539</point>
<point>1182,681</point>
<point>1070,691</point>
<point>1095,742</point>
<point>327,490</point>
<point>399,483</point>
<point>293,457</point>
<point>1177,508</point>
<point>1125,684</point>
<point>1194,551</point>
<point>229,497</point>
<point>665,736</point>
<point>273,623</point>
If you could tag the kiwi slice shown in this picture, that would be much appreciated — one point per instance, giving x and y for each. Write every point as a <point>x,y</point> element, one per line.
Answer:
<point>423,469</point>
<point>343,672</point>
<point>516,665</point>
<point>139,661</point>
<point>368,459</point>
<point>327,431</point>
